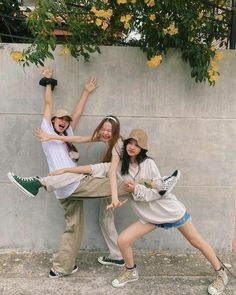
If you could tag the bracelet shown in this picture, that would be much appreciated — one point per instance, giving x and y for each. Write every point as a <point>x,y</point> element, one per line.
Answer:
<point>48,81</point>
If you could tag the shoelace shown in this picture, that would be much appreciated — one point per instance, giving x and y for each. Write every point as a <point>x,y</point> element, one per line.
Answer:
<point>218,283</point>
<point>26,178</point>
<point>227,268</point>
<point>168,182</point>
<point>124,275</point>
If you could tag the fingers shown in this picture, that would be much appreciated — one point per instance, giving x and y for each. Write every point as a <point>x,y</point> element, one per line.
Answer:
<point>47,72</point>
<point>117,204</point>
<point>37,132</point>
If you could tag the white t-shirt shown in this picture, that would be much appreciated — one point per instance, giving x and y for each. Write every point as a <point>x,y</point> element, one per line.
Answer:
<point>58,157</point>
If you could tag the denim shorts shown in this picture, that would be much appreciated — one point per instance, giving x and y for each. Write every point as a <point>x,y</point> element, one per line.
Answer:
<point>177,223</point>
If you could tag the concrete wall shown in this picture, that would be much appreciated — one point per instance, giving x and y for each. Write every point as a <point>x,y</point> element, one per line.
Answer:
<point>191,127</point>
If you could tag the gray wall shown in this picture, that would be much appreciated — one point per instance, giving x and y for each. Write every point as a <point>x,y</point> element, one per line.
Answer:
<point>191,127</point>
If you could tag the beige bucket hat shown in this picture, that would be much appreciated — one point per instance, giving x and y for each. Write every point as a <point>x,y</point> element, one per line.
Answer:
<point>140,136</point>
<point>62,113</point>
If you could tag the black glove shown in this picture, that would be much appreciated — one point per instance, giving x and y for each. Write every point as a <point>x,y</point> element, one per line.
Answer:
<point>46,81</point>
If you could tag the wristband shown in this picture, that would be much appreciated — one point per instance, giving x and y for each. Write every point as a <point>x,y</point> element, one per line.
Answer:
<point>48,81</point>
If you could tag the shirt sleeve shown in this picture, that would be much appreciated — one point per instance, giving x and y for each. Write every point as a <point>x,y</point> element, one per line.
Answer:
<point>47,127</point>
<point>143,193</point>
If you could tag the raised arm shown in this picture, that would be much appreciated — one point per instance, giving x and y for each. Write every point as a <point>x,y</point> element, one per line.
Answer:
<point>89,86</point>
<point>47,95</point>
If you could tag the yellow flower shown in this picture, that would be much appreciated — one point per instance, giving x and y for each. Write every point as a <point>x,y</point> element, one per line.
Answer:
<point>133,1</point>
<point>200,15</point>
<point>165,31</point>
<point>17,56</point>
<point>171,30</point>
<point>219,55</point>
<point>102,13</point>
<point>65,51</point>
<point>213,62</point>
<point>213,78</point>
<point>105,1</point>
<point>126,25</point>
<point>215,68</point>
<point>213,48</point>
<point>122,18</point>
<point>152,17</point>
<point>121,1</point>
<point>154,61</point>
<point>150,2</point>
<point>125,19</point>
<point>219,16</point>
<point>98,22</point>
<point>210,72</point>
<point>94,9</point>
<point>104,26</point>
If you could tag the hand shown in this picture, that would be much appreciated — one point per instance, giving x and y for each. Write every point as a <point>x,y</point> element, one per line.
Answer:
<point>90,85</point>
<point>46,72</point>
<point>154,184</point>
<point>129,186</point>
<point>116,204</point>
<point>41,135</point>
<point>56,172</point>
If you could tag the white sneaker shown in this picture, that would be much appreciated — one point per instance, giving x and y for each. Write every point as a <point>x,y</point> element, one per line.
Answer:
<point>218,285</point>
<point>169,183</point>
<point>127,276</point>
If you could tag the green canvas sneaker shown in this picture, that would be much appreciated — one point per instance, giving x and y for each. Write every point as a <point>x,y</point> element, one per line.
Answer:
<point>109,261</point>
<point>28,185</point>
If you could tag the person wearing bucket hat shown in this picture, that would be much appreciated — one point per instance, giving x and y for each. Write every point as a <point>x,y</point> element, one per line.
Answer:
<point>59,155</point>
<point>154,211</point>
<point>164,184</point>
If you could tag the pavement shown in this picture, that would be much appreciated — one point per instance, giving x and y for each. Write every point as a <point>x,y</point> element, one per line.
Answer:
<point>160,274</point>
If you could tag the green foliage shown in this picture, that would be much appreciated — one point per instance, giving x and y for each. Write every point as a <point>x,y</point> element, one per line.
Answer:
<point>186,25</point>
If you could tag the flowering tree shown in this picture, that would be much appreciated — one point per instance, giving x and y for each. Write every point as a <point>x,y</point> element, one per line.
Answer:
<point>155,26</point>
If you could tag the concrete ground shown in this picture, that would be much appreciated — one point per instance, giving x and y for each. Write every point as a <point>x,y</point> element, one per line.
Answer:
<point>160,274</point>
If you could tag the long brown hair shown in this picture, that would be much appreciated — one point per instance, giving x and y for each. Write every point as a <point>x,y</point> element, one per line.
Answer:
<point>115,123</point>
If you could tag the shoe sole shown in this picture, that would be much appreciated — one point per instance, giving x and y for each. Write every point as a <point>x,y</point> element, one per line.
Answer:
<point>170,189</point>
<point>63,275</point>
<point>123,284</point>
<point>12,179</point>
<point>109,263</point>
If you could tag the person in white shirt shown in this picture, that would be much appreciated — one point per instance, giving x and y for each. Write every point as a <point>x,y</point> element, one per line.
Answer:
<point>154,211</point>
<point>60,154</point>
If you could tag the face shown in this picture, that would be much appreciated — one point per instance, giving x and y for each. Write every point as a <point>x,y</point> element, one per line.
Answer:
<point>106,131</point>
<point>61,124</point>
<point>132,148</point>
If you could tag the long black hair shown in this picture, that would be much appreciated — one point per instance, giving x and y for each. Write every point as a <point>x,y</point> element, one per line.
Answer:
<point>125,161</point>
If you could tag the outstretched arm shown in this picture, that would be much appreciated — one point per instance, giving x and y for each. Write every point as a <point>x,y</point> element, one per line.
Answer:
<point>43,136</point>
<point>47,95</point>
<point>89,86</point>
<point>86,169</point>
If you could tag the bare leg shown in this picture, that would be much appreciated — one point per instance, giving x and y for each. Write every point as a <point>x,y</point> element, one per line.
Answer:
<point>127,238</point>
<point>189,231</point>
